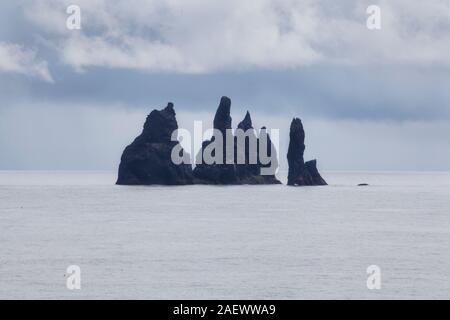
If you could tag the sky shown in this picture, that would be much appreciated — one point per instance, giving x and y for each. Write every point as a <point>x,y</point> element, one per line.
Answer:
<point>369,99</point>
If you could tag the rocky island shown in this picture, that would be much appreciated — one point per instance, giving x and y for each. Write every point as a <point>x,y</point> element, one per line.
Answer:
<point>147,160</point>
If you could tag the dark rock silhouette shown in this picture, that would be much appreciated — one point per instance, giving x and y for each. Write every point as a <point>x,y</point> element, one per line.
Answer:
<point>250,173</point>
<point>246,171</point>
<point>246,123</point>
<point>232,173</point>
<point>311,168</point>
<point>147,160</point>
<point>301,173</point>
<point>222,119</point>
<point>271,150</point>
<point>214,173</point>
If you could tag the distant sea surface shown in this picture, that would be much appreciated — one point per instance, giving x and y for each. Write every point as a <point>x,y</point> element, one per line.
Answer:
<point>216,242</point>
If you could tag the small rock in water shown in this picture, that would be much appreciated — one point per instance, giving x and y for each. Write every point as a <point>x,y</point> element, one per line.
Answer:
<point>363,184</point>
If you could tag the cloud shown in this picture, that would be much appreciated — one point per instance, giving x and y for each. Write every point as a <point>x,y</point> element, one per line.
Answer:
<point>369,99</point>
<point>17,59</point>
<point>201,36</point>
<point>176,36</point>
<point>133,53</point>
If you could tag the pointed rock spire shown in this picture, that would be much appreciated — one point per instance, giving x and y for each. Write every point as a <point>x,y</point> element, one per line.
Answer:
<point>300,174</point>
<point>231,173</point>
<point>246,123</point>
<point>222,119</point>
<point>297,141</point>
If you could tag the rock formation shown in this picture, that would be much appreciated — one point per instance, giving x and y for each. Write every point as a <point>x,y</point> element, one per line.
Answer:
<point>246,171</point>
<point>316,178</point>
<point>147,160</point>
<point>271,150</point>
<point>301,173</point>
<point>250,173</point>
<point>217,173</point>
<point>232,173</point>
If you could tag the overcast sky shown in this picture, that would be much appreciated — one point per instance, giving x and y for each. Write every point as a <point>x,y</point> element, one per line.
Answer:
<point>369,99</point>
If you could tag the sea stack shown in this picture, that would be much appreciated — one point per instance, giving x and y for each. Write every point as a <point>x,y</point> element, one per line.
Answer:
<point>269,177</point>
<point>147,161</point>
<point>246,171</point>
<point>301,173</point>
<point>251,173</point>
<point>217,173</point>
<point>233,173</point>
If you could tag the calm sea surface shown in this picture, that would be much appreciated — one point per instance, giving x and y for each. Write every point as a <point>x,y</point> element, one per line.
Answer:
<point>237,242</point>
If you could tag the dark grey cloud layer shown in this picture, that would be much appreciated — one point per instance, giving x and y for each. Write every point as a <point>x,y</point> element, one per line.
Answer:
<point>279,59</point>
<point>378,93</point>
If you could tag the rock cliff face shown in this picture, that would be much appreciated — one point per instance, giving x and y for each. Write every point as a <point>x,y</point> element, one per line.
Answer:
<point>301,173</point>
<point>147,160</point>
<point>235,172</point>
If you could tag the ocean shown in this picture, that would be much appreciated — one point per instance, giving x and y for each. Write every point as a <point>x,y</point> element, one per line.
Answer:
<point>225,242</point>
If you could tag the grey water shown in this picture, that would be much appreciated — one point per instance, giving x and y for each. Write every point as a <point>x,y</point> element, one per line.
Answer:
<point>225,242</point>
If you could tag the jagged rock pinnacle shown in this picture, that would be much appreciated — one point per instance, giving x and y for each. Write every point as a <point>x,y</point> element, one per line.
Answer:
<point>148,159</point>
<point>222,119</point>
<point>300,174</point>
<point>246,123</point>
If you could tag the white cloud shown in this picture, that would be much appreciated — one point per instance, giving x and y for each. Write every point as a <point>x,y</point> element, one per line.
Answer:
<point>200,36</point>
<point>80,51</point>
<point>17,59</point>
<point>183,36</point>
